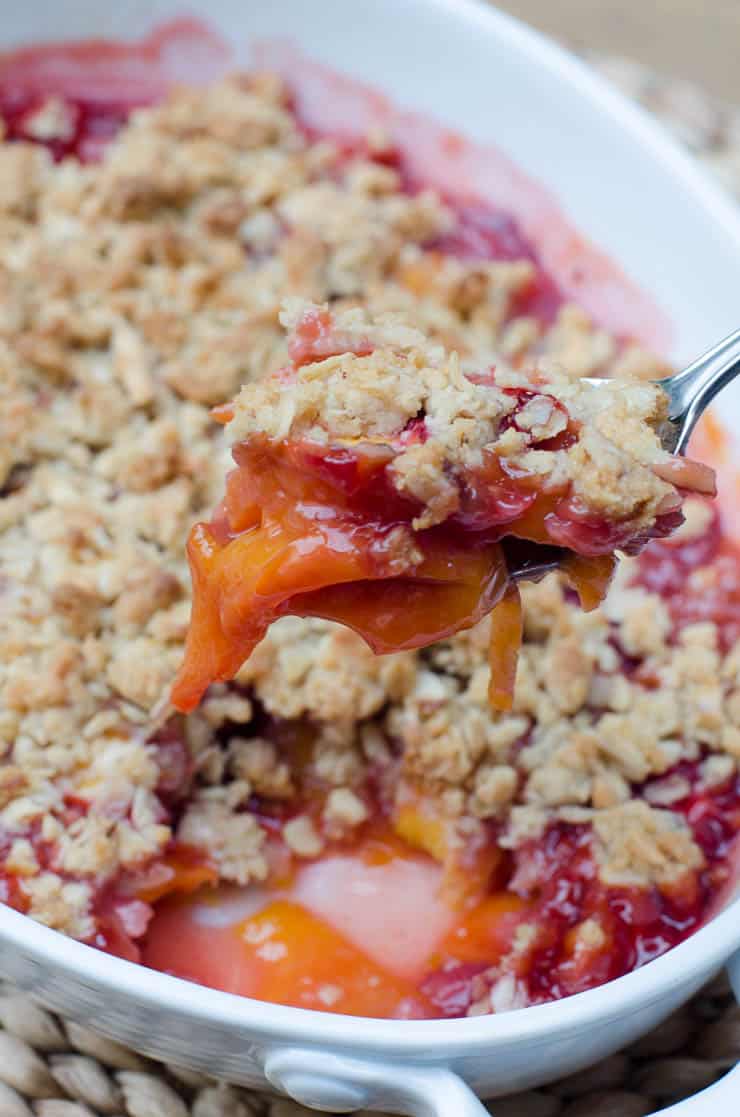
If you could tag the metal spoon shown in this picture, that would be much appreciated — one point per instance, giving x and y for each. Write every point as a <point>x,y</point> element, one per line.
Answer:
<point>689,394</point>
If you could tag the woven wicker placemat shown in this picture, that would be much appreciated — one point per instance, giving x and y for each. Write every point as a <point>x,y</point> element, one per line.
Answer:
<point>54,1068</point>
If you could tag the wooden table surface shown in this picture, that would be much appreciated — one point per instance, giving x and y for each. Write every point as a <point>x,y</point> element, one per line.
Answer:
<point>696,39</point>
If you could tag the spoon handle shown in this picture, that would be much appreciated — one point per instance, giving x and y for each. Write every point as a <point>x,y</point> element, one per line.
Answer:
<point>691,391</point>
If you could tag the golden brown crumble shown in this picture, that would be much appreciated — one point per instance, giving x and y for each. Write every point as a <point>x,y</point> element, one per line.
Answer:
<point>234,839</point>
<point>311,667</point>
<point>359,395</point>
<point>635,841</point>
<point>136,293</point>
<point>343,810</point>
<point>302,837</point>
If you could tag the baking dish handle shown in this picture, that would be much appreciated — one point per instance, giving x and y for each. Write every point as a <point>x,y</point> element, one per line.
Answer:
<point>336,1084</point>
<point>724,1096</point>
<point>339,1084</point>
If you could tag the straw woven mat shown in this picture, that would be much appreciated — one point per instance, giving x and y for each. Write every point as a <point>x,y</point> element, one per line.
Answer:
<point>53,1068</point>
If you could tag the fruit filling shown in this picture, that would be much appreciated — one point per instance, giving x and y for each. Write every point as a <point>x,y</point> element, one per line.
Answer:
<point>331,828</point>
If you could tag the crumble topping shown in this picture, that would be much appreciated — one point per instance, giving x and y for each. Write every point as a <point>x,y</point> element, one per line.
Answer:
<point>316,668</point>
<point>635,841</point>
<point>366,380</point>
<point>235,841</point>
<point>138,292</point>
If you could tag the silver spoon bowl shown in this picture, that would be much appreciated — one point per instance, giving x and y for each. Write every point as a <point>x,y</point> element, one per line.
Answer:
<point>691,391</point>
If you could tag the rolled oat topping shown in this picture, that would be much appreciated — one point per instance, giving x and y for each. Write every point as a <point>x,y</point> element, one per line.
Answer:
<point>361,380</point>
<point>140,291</point>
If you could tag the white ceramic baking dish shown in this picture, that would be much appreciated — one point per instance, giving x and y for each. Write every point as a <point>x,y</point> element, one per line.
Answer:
<point>626,187</point>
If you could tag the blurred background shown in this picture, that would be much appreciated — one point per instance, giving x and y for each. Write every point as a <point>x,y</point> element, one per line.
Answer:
<point>694,39</point>
<point>679,58</point>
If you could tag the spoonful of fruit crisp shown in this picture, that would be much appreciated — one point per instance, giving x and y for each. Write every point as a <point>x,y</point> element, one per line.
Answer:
<point>380,484</point>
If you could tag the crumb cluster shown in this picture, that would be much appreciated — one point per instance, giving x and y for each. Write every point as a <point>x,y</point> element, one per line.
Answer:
<point>377,380</point>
